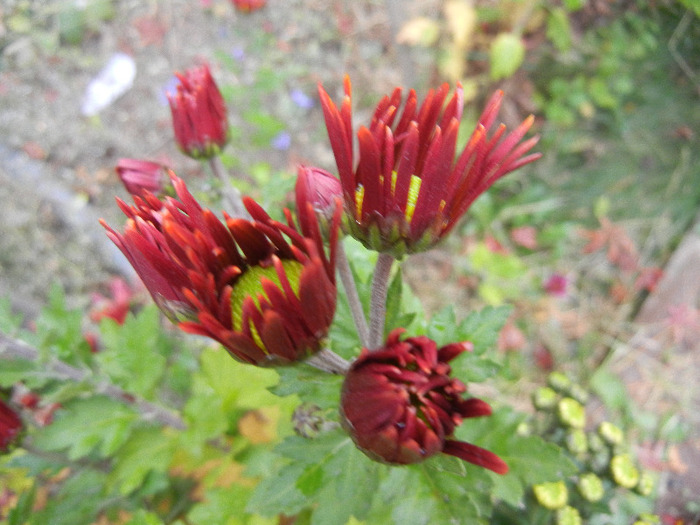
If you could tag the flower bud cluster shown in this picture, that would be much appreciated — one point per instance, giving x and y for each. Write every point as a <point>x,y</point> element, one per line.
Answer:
<point>606,467</point>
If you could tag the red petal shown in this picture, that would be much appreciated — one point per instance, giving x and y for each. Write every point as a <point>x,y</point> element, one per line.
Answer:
<point>475,455</point>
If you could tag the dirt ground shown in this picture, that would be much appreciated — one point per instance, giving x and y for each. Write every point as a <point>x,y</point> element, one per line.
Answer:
<point>56,165</point>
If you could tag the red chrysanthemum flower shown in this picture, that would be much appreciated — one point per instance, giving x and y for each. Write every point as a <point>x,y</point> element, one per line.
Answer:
<point>261,288</point>
<point>401,406</point>
<point>407,191</point>
<point>139,176</point>
<point>248,6</point>
<point>10,426</point>
<point>200,120</point>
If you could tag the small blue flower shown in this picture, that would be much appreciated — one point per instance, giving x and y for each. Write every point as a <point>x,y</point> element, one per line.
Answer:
<point>281,141</point>
<point>238,53</point>
<point>169,89</point>
<point>301,99</point>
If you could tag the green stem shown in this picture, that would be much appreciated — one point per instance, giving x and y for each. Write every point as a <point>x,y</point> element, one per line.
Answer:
<point>377,309</point>
<point>230,193</point>
<point>349,285</point>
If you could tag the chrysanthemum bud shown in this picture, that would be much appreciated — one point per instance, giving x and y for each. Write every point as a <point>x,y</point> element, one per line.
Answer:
<point>200,118</point>
<point>401,406</point>
<point>611,433</point>
<point>576,441</point>
<point>623,471</point>
<point>552,495</point>
<point>544,398</point>
<point>568,516</point>
<point>590,487</point>
<point>646,484</point>
<point>571,413</point>
<point>320,190</point>
<point>559,382</point>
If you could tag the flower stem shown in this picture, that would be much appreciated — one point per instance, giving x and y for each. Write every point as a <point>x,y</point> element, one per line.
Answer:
<point>377,309</point>
<point>329,361</point>
<point>230,193</point>
<point>13,349</point>
<point>350,287</point>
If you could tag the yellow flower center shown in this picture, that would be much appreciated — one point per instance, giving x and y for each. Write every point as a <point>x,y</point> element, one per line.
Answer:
<point>249,285</point>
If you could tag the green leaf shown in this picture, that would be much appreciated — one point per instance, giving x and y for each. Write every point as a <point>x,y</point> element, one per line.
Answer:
<point>237,384</point>
<point>278,493</point>
<point>13,371</point>
<point>9,321</point>
<point>59,331</point>
<point>133,352</point>
<point>482,327</point>
<point>472,368</point>
<point>327,474</point>
<point>78,500</point>
<point>143,517</point>
<point>309,384</point>
<point>507,55</point>
<point>22,511</point>
<point>349,484</point>
<point>558,30</point>
<point>611,389</point>
<point>85,425</point>
<point>530,459</point>
<point>225,506</point>
<point>420,495</point>
<point>147,450</point>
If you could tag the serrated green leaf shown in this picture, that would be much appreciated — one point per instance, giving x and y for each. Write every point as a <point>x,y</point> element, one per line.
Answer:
<point>225,506</point>
<point>353,478</point>
<point>278,494</point>
<point>85,425</point>
<point>530,459</point>
<point>59,331</point>
<point>309,384</point>
<point>472,368</point>
<point>238,385</point>
<point>131,353</point>
<point>147,450</point>
<point>310,480</point>
<point>482,327</point>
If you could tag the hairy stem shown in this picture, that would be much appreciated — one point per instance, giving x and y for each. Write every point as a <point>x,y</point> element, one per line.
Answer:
<point>14,349</point>
<point>377,309</point>
<point>329,361</point>
<point>350,287</point>
<point>230,193</point>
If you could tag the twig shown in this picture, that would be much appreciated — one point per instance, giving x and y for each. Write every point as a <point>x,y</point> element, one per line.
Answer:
<point>231,194</point>
<point>377,309</point>
<point>346,277</point>
<point>14,349</point>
